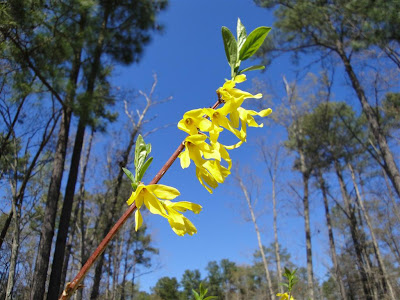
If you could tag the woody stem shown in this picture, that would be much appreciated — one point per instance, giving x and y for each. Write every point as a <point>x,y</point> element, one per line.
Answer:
<point>72,286</point>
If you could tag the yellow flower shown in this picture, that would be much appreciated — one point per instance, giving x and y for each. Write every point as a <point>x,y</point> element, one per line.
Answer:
<point>246,117</point>
<point>234,98</point>
<point>148,195</point>
<point>193,121</point>
<point>218,119</point>
<point>206,179</point>
<point>196,149</point>
<point>179,223</point>
<point>223,153</point>
<point>208,172</point>
<point>211,173</point>
<point>284,296</point>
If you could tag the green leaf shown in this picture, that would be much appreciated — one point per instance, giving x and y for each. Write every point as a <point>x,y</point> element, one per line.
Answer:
<point>148,148</point>
<point>253,42</point>
<point>241,34</point>
<point>140,152</point>
<point>284,284</point>
<point>143,169</point>
<point>230,46</point>
<point>129,174</point>
<point>203,291</point>
<point>196,295</point>
<point>252,68</point>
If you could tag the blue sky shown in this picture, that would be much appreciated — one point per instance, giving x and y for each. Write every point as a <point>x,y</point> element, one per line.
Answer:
<point>190,63</point>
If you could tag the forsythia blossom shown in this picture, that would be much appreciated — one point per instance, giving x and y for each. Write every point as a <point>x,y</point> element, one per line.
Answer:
<point>193,121</point>
<point>179,223</point>
<point>284,296</point>
<point>199,122</point>
<point>234,98</point>
<point>151,195</point>
<point>246,118</point>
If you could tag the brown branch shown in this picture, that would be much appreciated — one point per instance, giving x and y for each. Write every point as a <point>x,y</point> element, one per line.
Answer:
<point>72,286</point>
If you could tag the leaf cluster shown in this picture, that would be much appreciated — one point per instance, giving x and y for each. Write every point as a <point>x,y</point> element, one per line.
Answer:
<point>292,279</point>
<point>242,48</point>
<point>201,295</point>
<point>142,162</point>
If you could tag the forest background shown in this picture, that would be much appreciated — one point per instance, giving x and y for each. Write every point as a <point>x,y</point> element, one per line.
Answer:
<point>119,68</point>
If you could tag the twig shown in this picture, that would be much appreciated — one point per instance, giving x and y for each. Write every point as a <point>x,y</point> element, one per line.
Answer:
<point>72,286</point>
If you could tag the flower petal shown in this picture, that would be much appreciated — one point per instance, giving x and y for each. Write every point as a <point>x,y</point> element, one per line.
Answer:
<point>240,78</point>
<point>196,138</point>
<point>182,206</point>
<point>201,175</point>
<point>134,195</point>
<point>153,204</point>
<point>185,159</point>
<point>138,220</point>
<point>164,192</point>
<point>190,228</point>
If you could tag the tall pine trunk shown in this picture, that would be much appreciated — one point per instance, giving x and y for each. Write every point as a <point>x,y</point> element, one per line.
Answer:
<point>386,284</point>
<point>48,226</point>
<point>14,253</point>
<point>58,258</point>
<point>16,236</point>
<point>49,219</point>
<point>76,212</point>
<point>355,235</point>
<point>389,163</point>
<point>307,229</point>
<point>336,267</point>
<point>276,241</point>
<point>305,172</point>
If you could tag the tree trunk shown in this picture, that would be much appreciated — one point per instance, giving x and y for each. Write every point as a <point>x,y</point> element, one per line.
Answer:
<point>271,159</point>
<point>15,243</point>
<point>47,230</point>
<point>381,265</point>
<point>354,234</point>
<point>276,242</point>
<point>76,212</point>
<point>55,277</point>
<point>83,252</point>
<point>338,274</point>
<point>389,163</point>
<point>260,246</point>
<point>310,273</point>
<point>305,172</point>
<point>58,257</point>
<point>5,227</point>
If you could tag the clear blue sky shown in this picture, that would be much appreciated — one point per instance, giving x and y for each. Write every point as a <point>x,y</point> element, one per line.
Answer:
<point>190,62</point>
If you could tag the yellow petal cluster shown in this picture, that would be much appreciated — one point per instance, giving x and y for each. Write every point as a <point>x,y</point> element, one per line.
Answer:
<point>284,296</point>
<point>232,117</point>
<point>156,197</point>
